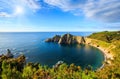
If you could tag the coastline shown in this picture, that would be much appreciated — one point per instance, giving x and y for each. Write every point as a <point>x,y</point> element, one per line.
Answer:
<point>105,56</point>
<point>105,53</point>
<point>87,41</point>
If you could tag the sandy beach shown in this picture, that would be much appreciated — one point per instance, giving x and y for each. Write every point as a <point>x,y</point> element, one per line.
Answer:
<point>106,55</point>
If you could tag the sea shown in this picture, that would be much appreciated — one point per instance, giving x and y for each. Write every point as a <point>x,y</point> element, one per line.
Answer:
<point>36,50</point>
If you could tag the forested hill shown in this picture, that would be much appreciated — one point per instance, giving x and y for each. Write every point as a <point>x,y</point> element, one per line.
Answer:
<point>106,36</point>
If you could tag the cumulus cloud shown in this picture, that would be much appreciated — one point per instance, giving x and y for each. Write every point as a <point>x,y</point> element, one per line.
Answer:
<point>7,7</point>
<point>103,10</point>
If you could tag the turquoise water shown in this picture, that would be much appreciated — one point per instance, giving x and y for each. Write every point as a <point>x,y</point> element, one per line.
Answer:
<point>32,45</point>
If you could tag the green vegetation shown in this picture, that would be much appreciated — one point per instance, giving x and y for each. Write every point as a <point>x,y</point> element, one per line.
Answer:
<point>12,68</point>
<point>16,68</point>
<point>110,41</point>
<point>106,36</point>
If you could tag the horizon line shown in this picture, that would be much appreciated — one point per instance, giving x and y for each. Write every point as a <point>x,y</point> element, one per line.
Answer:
<point>60,31</point>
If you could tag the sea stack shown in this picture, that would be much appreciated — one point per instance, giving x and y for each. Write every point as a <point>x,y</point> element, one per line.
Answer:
<point>9,54</point>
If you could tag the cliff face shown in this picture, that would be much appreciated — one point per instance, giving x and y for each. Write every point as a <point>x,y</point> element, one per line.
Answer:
<point>80,39</point>
<point>67,39</point>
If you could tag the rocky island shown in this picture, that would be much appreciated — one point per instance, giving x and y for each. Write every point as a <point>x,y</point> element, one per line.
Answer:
<point>67,39</point>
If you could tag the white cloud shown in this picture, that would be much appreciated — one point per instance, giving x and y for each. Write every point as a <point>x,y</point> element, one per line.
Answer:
<point>4,14</point>
<point>103,10</point>
<point>107,11</point>
<point>8,8</point>
<point>32,4</point>
<point>66,5</point>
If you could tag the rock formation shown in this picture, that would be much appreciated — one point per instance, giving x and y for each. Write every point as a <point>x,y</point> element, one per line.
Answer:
<point>56,38</point>
<point>67,39</point>
<point>58,64</point>
<point>9,54</point>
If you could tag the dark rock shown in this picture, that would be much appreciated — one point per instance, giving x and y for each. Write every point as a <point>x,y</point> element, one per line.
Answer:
<point>98,46</point>
<point>9,54</point>
<point>83,40</point>
<point>56,38</point>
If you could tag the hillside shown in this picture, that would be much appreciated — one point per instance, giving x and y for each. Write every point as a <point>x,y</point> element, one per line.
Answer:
<point>110,43</point>
<point>106,36</point>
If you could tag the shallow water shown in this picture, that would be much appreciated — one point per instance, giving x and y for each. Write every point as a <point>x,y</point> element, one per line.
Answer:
<point>32,45</point>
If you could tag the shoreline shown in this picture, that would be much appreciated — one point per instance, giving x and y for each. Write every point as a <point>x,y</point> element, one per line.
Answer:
<point>105,57</point>
<point>104,50</point>
<point>105,53</point>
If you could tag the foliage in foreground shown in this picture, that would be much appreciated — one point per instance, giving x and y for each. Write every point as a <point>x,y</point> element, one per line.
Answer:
<point>12,68</point>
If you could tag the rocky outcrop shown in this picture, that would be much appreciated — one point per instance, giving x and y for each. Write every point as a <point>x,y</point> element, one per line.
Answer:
<point>56,38</point>
<point>80,40</point>
<point>67,39</point>
<point>9,54</point>
<point>58,64</point>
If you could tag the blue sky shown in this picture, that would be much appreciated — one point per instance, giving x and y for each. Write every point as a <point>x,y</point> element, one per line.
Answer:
<point>59,15</point>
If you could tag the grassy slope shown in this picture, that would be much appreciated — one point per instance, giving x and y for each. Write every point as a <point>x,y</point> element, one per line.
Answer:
<point>110,41</point>
<point>106,36</point>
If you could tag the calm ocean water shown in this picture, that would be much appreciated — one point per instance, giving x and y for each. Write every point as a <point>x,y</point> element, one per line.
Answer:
<point>32,45</point>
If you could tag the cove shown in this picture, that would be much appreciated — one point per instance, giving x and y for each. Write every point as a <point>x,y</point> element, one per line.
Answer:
<point>81,55</point>
<point>32,45</point>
